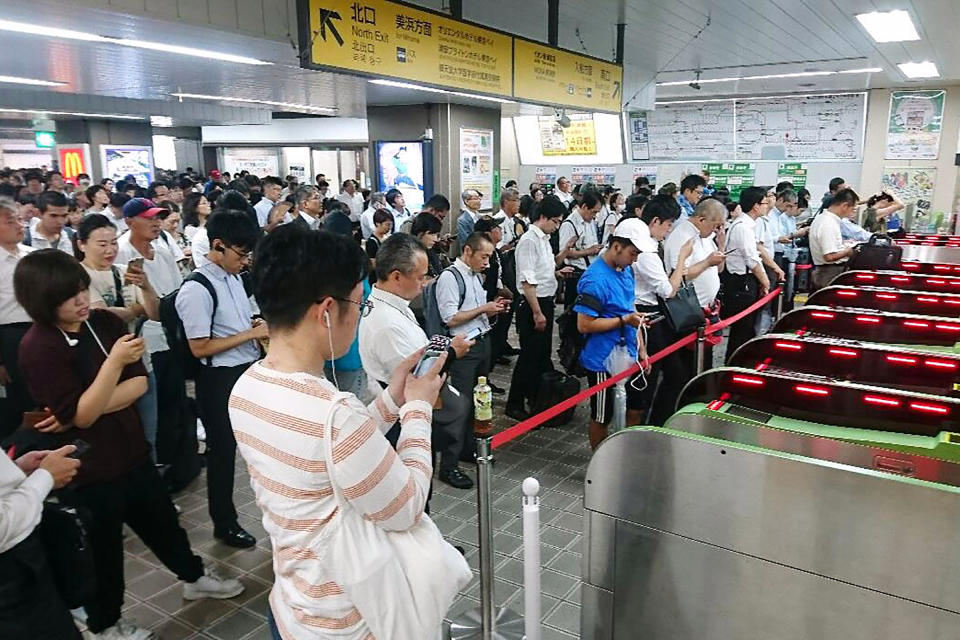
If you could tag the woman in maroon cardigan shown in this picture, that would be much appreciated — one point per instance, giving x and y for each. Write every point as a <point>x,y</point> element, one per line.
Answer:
<point>84,368</point>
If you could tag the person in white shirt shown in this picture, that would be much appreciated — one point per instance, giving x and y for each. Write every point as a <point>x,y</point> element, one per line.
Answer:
<point>537,281</point>
<point>580,229</point>
<point>398,206</point>
<point>768,231</point>
<point>563,191</point>
<point>509,225</point>
<point>610,215</point>
<point>29,587</point>
<point>745,279</point>
<point>50,231</point>
<point>114,211</point>
<point>272,187</point>
<point>352,197</point>
<point>827,248</point>
<point>99,199</point>
<point>705,262</point>
<point>377,201</point>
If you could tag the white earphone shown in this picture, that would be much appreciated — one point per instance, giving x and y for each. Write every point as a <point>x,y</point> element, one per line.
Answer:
<point>71,342</point>
<point>326,318</point>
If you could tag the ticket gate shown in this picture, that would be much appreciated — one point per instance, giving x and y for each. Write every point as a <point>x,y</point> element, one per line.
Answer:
<point>928,242</point>
<point>691,534</point>
<point>930,268</point>
<point>899,280</point>
<point>935,237</point>
<point>870,363</point>
<point>931,333</point>
<point>930,254</point>
<point>885,299</point>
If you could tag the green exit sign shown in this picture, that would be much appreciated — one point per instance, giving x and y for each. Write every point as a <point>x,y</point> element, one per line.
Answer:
<point>44,139</point>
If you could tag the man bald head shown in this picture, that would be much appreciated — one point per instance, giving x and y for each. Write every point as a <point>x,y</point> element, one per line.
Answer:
<point>708,217</point>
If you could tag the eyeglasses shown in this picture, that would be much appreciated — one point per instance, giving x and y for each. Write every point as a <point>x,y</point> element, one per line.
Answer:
<point>243,255</point>
<point>366,306</point>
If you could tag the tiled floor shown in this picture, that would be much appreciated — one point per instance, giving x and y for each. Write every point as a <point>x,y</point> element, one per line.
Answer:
<point>557,457</point>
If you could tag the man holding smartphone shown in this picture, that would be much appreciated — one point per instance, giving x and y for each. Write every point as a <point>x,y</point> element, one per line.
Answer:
<point>463,306</point>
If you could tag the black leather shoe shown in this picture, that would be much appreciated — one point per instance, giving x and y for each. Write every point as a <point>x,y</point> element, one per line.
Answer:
<point>504,360</point>
<point>497,390</point>
<point>235,536</point>
<point>517,413</point>
<point>456,479</point>
<point>511,350</point>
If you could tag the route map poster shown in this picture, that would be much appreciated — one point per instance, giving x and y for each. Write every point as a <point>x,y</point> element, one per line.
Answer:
<point>639,134</point>
<point>476,163</point>
<point>916,118</point>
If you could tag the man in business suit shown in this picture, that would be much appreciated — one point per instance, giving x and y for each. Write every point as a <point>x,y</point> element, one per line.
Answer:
<point>469,213</point>
<point>309,208</point>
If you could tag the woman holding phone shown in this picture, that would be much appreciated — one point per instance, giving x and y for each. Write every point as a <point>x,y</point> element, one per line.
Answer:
<point>83,365</point>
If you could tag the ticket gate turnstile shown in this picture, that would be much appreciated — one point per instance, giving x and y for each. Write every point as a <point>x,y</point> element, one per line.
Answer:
<point>692,535</point>
<point>899,280</point>
<point>886,299</point>
<point>929,333</point>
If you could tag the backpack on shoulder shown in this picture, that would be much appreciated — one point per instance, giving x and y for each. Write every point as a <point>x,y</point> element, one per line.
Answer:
<point>571,340</point>
<point>173,327</point>
<point>433,323</point>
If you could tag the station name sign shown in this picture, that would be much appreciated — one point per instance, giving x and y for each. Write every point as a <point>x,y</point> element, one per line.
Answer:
<point>385,39</point>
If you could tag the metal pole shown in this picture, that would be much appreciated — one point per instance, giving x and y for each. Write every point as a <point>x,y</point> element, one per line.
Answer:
<point>531,558</point>
<point>701,349</point>
<point>486,623</point>
<point>553,22</point>
<point>780,296</point>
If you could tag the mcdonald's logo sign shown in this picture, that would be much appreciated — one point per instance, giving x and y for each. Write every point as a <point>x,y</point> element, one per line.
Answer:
<point>72,162</point>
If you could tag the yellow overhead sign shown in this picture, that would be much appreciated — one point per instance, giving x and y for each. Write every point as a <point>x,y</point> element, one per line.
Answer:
<point>382,38</point>
<point>545,74</point>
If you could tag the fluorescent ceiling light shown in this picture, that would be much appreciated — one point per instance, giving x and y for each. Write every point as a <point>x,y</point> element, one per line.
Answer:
<point>889,26</point>
<point>161,121</point>
<point>42,112</point>
<point>925,69</point>
<point>31,81</point>
<point>417,87</point>
<point>70,34</point>
<point>285,105</point>
<point>799,74</point>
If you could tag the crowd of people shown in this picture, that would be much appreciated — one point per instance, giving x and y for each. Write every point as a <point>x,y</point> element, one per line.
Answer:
<point>301,347</point>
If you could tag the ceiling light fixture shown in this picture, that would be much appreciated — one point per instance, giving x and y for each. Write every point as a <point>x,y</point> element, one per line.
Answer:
<point>42,112</point>
<point>161,121</point>
<point>925,69</point>
<point>889,26</point>
<point>31,81</point>
<point>271,103</point>
<point>417,87</point>
<point>70,34</point>
<point>799,74</point>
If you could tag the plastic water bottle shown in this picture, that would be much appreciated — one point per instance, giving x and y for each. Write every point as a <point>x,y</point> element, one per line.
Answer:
<point>482,408</point>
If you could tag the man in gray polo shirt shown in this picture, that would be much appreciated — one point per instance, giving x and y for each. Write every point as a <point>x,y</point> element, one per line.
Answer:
<point>223,337</point>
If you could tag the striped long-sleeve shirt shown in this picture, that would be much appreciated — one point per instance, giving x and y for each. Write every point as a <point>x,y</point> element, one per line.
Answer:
<point>278,420</point>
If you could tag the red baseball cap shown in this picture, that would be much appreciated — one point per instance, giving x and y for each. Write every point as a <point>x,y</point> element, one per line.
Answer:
<point>141,208</point>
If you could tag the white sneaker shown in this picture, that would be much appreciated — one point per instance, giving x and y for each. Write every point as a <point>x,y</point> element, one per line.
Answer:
<point>125,630</point>
<point>212,585</point>
<point>201,432</point>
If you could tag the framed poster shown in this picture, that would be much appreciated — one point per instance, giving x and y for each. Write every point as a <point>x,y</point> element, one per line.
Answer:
<point>795,172</point>
<point>121,160</point>
<point>579,139</point>
<point>735,176</point>
<point>403,166</point>
<point>913,130</point>
<point>638,135</point>
<point>476,163</point>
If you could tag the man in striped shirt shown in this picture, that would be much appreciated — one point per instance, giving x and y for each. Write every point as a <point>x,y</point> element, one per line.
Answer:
<point>308,286</point>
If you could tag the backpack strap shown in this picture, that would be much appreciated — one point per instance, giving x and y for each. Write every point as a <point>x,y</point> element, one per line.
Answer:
<point>118,285</point>
<point>201,279</point>
<point>28,237</point>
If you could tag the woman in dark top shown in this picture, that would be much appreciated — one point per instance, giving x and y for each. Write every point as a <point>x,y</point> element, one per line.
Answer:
<point>426,228</point>
<point>85,369</point>
<point>382,225</point>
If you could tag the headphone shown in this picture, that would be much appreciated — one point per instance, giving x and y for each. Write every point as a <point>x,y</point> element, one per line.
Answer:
<point>71,342</point>
<point>326,318</point>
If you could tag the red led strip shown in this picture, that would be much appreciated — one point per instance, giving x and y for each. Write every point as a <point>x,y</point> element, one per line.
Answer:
<point>821,314</point>
<point>932,281</point>
<point>930,300</point>
<point>716,404</point>
<point>902,359</point>
<point>846,353</point>
<point>948,327</point>
<point>899,279</point>
<point>939,267</point>
<point>869,319</point>
<point>788,345</point>
<point>930,408</point>
<point>866,276</point>
<point>910,265</point>
<point>916,325</point>
<point>886,402</point>
<point>747,380</point>
<point>887,296</point>
<point>811,391</point>
<point>849,294</point>
<point>939,364</point>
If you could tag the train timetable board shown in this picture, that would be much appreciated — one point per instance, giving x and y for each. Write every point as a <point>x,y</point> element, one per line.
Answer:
<point>381,38</point>
<point>551,76</point>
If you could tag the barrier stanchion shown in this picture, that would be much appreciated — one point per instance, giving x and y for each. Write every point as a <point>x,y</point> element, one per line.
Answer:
<point>701,349</point>
<point>779,306</point>
<point>531,558</point>
<point>486,622</point>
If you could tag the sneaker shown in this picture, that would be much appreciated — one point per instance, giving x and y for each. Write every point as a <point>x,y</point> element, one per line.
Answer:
<point>125,630</point>
<point>212,585</point>
<point>456,479</point>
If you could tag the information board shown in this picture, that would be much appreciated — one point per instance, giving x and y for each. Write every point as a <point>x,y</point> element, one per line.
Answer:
<point>121,160</point>
<point>579,139</point>
<point>545,74</point>
<point>476,163</point>
<point>638,135</point>
<point>599,176</point>
<point>735,176</point>
<point>913,130</point>
<point>691,131</point>
<point>792,172</point>
<point>546,177</point>
<point>392,40</point>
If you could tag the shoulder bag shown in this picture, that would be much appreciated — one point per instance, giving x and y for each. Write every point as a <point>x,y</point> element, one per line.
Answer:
<point>401,582</point>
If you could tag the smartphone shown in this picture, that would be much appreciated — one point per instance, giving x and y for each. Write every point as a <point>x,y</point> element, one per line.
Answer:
<point>32,418</point>
<point>437,346</point>
<point>477,333</point>
<point>136,264</point>
<point>82,448</point>
<point>654,319</point>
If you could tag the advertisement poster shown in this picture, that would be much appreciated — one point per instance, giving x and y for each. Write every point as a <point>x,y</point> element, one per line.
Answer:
<point>121,160</point>
<point>258,161</point>
<point>639,135</point>
<point>476,163</point>
<point>74,160</point>
<point>735,176</point>
<point>650,171</point>
<point>400,166</point>
<point>910,184</point>
<point>546,177</point>
<point>794,172</point>
<point>551,76</point>
<point>913,131</point>
<point>579,139</point>
<point>594,175</point>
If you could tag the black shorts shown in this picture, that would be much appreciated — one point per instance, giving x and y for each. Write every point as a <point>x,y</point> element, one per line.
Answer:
<point>601,404</point>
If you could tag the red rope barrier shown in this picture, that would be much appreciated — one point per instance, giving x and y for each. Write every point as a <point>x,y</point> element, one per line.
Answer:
<point>532,422</point>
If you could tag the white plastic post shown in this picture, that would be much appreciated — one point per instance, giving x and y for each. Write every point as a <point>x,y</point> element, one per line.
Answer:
<point>531,558</point>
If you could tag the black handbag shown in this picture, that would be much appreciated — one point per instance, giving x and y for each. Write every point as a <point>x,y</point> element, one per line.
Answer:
<point>878,253</point>
<point>63,531</point>
<point>682,312</point>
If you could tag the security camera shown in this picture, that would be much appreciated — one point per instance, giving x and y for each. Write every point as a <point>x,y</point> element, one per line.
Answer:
<point>696,83</point>
<point>563,119</point>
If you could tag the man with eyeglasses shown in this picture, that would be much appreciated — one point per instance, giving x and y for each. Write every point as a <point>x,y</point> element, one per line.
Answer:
<point>469,213</point>
<point>691,190</point>
<point>224,338</point>
<point>310,206</point>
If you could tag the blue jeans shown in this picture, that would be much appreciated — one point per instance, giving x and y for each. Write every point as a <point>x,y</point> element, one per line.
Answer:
<point>272,625</point>
<point>147,408</point>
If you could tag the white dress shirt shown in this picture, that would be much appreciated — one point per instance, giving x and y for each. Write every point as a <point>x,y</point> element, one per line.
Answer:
<point>508,229</point>
<point>448,298</point>
<point>825,237</point>
<point>366,222</point>
<point>649,275</point>
<point>388,335</point>
<point>399,217</point>
<point>313,223</point>
<point>766,231</point>
<point>10,309</point>
<point>263,209</point>
<point>63,243</point>
<point>21,501</point>
<point>742,254</point>
<point>200,247</point>
<point>164,276</point>
<point>565,197</point>
<point>707,284</point>
<point>586,233</point>
<point>535,262</point>
<point>354,204</point>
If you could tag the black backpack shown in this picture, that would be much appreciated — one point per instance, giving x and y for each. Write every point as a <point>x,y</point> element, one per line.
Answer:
<point>571,340</point>
<point>173,327</point>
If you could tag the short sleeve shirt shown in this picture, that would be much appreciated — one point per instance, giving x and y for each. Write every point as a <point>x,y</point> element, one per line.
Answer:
<point>614,290</point>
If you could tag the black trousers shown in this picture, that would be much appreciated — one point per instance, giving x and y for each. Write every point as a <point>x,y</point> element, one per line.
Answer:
<point>789,268</point>
<point>139,499</point>
<point>499,334</point>
<point>667,377</point>
<point>463,376</point>
<point>739,292</point>
<point>30,606</point>
<point>18,397</point>
<point>534,359</point>
<point>214,385</point>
